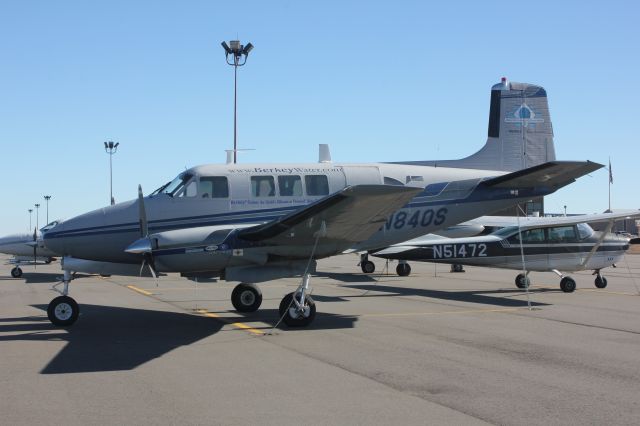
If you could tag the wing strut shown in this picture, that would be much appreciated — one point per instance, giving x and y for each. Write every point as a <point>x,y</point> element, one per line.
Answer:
<point>598,243</point>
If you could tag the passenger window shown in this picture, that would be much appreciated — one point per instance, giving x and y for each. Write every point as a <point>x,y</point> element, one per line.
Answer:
<point>290,186</point>
<point>562,234</point>
<point>263,186</point>
<point>214,187</point>
<point>317,185</point>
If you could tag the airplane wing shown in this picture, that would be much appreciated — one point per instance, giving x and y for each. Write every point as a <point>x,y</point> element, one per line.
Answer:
<point>350,216</point>
<point>555,174</point>
<point>582,218</point>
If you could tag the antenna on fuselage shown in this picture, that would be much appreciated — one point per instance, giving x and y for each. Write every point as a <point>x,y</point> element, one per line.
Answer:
<point>324,155</point>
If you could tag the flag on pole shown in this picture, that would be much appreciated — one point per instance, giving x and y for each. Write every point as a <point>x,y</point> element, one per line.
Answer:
<point>610,172</point>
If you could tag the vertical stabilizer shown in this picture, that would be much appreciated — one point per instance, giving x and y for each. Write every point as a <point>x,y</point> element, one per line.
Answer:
<point>520,133</point>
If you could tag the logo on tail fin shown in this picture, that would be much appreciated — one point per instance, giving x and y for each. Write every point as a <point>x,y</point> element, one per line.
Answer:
<point>523,115</point>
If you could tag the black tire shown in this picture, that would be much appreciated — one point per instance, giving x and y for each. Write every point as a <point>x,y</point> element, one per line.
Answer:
<point>297,320</point>
<point>522,281</point>
<point>246,297</point>
<point>368,267</point>
<point>568,285</point>
<point>63,311</point>
<point>16,272</point>
<point>403,269</point>
<point>601,282</point>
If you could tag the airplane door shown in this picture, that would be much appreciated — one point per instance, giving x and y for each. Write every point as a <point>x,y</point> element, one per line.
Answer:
<point>361,175</point>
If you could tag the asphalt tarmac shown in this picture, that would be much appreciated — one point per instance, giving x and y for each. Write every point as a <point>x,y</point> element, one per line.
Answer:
<point>433,348</point>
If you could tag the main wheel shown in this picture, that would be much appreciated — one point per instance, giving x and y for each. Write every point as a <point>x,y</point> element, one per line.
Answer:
<point>567,284</point>
<point>16,272</point>
<point>403,269</point>
<point>293,317</point>
<point>601,282</point>
<point>246,297</point>
<point>368,267</point>
<point>522,281</point>
<point>63,311</point>
<point>456,267</point>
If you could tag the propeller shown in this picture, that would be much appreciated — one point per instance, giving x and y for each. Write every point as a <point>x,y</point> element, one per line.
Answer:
<point>35,245</point>
<point>143,245</point>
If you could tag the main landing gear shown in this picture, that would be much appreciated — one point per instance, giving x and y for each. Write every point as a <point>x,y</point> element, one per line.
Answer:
<point>600,281</point>
<point>403,269</point>
<point>16,272</point>
<point>63,311</point>
<point>367,266</point>
<point>567,284</point>
<point>298,309</point>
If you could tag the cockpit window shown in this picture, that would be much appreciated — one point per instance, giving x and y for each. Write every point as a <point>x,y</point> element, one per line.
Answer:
<point>530,236</point>
<point>584,231</point>
<point>174,187</point>
<point>49,226</point>
<point>505,232</point>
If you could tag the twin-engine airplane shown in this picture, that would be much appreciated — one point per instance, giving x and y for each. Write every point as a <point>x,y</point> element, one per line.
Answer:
<point>254,222</point>
<point>27,249</point>
<point>543,244</point>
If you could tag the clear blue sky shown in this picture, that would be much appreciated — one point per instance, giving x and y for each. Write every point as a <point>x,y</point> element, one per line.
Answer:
<point>378,81</point>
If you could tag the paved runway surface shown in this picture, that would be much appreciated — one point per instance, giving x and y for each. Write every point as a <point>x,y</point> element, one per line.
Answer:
<point>432,348</point>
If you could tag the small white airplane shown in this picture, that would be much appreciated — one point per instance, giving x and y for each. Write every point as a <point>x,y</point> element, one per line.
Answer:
<point>257,222</point>
<point>544,244</point>
<point>27,249</point>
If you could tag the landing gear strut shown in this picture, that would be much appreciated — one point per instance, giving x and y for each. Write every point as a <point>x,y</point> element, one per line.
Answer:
<point>63,311</point>
<point>297,309</point>
<point>600,281</point>
<point>246,297</point>
<point>367,266</point>
<point>16,272</point>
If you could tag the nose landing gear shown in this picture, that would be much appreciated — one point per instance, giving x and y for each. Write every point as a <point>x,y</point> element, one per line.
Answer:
<point>63,311</point>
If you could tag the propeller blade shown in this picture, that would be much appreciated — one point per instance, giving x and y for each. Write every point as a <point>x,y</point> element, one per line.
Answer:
<point>35,237</point>
<point>144,228</point>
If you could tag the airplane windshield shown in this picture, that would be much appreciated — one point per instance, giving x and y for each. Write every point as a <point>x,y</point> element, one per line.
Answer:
<point>48,226</point>
<point>505,232</point>
<point>175,185</point>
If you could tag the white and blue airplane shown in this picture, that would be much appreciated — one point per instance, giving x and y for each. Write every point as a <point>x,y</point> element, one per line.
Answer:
<point>27,249</point>
<point>257,222</point>
<point>541,244</point>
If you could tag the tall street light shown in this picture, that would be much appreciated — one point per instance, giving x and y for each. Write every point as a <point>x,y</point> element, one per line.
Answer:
<point>47,198</point>
<point>30,215</point>
<point>37,216</point>
<point>111,148</point>
<point>236,56</point>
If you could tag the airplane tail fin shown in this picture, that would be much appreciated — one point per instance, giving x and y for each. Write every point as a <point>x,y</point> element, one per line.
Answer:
<point>520,134</point>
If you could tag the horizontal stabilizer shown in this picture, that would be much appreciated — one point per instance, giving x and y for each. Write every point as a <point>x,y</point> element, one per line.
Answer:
<point>553,174</point>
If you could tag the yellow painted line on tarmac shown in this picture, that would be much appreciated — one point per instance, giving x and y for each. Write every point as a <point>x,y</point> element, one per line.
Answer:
<point>462,311</point>
<point>239,325</point>
<point>139,290</point>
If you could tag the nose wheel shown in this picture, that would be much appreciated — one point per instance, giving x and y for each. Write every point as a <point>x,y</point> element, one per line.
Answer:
<point>63,311</point>
<point>600,281</point>
<point>403,269</point>
<point>522,281</point>
<point>16,272</point>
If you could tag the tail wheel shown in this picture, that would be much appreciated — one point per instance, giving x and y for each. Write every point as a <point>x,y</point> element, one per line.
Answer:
<point>568,285</point>
<point>246,297</point>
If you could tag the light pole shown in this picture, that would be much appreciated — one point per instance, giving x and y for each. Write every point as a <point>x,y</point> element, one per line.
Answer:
<point>37,216</point>
<point>565,211</point>
<point>111,148</point>
<point>30,215</point>
<point>47,198</point>
<point>236,56</point>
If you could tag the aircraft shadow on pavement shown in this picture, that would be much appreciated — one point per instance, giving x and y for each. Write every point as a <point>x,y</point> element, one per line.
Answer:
<point>108,338</point>
<point>348,277</point>
<point>484,297</point>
